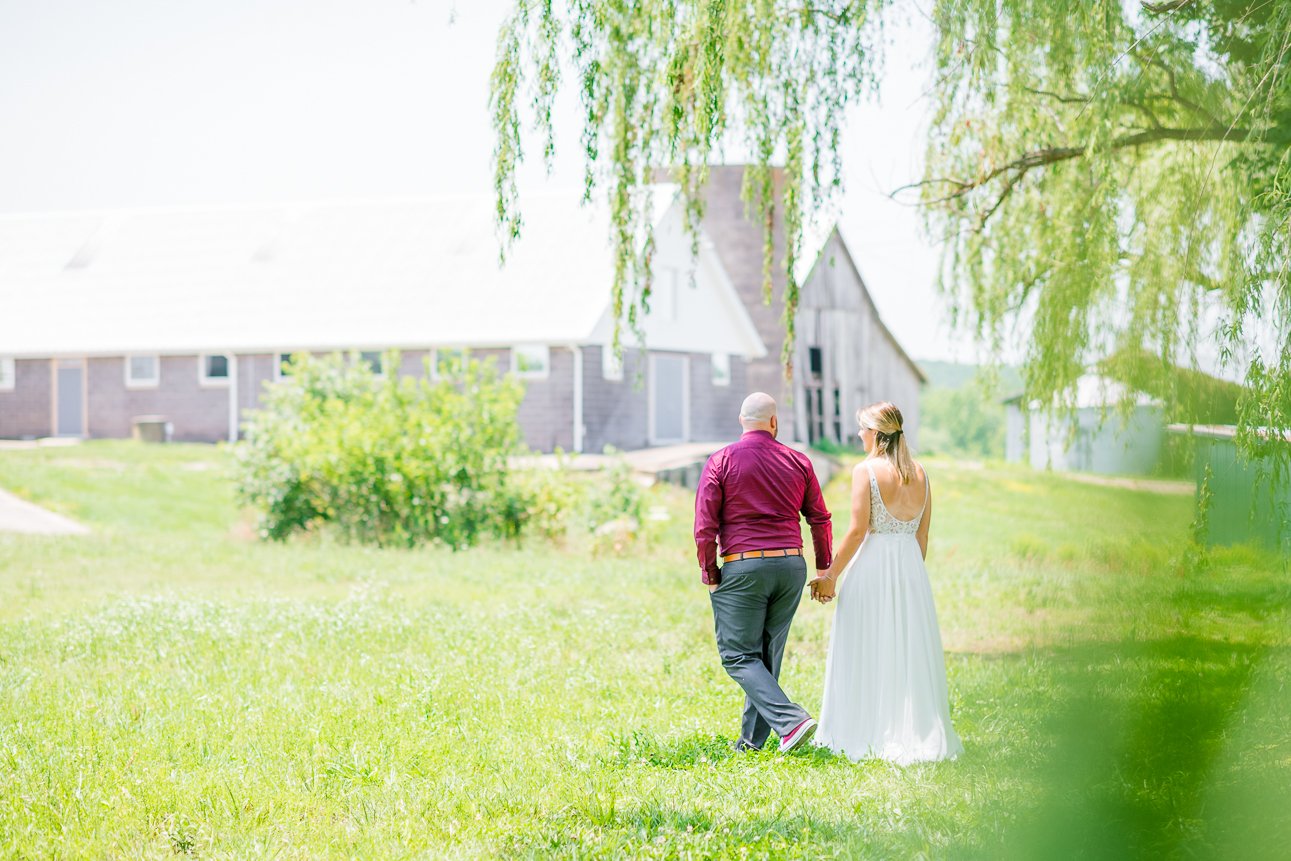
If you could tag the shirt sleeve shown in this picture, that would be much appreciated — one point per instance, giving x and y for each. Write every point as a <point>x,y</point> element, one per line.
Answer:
<point>818,518</point>
<point>708,507</point>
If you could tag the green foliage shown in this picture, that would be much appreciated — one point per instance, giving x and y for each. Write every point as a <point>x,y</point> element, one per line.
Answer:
<point>602,511</point>
<point>553,497</point>
<point>1110,175</point>
<point>615,495</point>
<point>173,685</point>
<point>967,421</point>
<point>397,461</point>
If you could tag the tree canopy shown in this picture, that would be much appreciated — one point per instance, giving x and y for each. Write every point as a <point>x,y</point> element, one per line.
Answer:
<point>1109,177</point>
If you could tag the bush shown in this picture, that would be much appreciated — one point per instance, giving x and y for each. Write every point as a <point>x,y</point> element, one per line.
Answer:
<point>395,461</point>
<point>562,504</point>
<point>616,495</point>
<point>552,497</point>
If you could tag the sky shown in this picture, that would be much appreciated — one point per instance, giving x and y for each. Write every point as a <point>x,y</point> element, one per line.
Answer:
<point>136,103</point>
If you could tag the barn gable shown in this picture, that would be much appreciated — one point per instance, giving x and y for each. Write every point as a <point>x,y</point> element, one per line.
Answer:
<point>844,356</point>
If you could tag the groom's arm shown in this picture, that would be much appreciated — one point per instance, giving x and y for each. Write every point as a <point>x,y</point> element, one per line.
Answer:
<point>818,518</point>
<point>708,508</point>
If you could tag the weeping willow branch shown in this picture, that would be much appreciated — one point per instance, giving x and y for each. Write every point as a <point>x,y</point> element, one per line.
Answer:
<point>1016,169</point>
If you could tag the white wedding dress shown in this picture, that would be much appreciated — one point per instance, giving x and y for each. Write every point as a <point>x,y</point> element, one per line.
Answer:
<point>885,677</point>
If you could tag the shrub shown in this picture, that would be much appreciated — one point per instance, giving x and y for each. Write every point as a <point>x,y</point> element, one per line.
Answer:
<point>552,498</point>
<point>617,495</point>
<point>560,503</point>
<point>394,461</point>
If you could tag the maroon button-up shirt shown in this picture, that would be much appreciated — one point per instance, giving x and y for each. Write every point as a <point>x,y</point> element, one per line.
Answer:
<point>749,498</point>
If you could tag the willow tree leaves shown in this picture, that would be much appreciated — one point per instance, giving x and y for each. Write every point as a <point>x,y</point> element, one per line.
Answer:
<point>664,85</point>
<point>1111,178</point>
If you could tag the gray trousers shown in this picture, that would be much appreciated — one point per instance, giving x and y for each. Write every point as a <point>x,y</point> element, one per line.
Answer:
<point>752,610</point>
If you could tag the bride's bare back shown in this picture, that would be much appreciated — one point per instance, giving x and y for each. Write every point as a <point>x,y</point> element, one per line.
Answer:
<point>903,501</point>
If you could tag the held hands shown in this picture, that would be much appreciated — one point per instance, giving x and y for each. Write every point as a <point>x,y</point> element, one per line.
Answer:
<point>822,588</point>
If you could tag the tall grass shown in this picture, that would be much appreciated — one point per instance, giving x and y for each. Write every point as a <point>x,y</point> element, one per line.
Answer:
<point>170,685</point>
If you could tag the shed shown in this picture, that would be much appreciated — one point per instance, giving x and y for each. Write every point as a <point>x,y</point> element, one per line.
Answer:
<point>1249,503</point>
<point>1102,439</point>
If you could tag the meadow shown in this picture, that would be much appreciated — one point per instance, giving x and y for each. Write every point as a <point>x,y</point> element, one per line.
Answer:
<point>171,685</point>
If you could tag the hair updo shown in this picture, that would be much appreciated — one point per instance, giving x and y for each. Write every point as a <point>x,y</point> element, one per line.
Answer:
<point>889,438</point>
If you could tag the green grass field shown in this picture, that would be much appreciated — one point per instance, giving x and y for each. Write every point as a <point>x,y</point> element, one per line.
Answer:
<point>171,685</point>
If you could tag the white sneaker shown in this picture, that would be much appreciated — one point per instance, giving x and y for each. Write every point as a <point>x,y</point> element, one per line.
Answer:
<point>798,736</point>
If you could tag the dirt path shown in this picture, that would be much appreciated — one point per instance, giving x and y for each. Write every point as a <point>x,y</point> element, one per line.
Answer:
<point>1154,485</point>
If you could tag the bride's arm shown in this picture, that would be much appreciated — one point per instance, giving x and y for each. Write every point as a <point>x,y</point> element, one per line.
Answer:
<point>856,529</point>
<point>922,534</point>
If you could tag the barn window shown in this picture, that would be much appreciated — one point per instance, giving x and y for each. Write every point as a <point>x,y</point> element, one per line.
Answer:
<point>721,369</point>
<point>530,361</point>
<point>838,415</point>
<point>815,361</point>
<point>142,372</point>
<point>7,376</point>
<point>214,369</point>
<point>374,361</point>
<point>447,362</point>
<point>282,367</point>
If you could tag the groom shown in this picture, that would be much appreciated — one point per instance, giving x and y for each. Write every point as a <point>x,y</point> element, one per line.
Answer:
<point>749,499</point>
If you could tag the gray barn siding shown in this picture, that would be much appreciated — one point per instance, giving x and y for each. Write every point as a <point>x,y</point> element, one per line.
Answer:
<point>197,413</point>
<point>859,355</point>
<point>27,411</point>
<point>614,411</point>
<point>254,371</point>
<point>715,410</point>
<point>412,363</point>
<point>547,412</point>
<point>737,239</point>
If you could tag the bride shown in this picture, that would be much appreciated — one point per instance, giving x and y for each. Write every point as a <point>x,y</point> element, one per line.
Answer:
<point>885,678</point>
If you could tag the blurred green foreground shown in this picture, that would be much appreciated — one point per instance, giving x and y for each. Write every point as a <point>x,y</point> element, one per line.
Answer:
<point>169,684</point>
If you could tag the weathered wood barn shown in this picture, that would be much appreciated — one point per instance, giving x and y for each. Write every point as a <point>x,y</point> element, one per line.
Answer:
<point>844,356</point>
<point>186,314</point>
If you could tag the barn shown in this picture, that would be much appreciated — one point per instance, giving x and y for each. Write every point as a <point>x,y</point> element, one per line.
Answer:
<point>184,315</point>
<point>188,313</point>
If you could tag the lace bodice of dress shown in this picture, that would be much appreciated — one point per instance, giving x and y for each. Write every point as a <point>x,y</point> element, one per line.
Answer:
<point>881,520</point>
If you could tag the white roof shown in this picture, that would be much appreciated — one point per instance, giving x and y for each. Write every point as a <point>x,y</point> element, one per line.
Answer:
<point>1096,392</point>
<point>1093,391</point>
<point>1224,431</point>
<point>374,274</point>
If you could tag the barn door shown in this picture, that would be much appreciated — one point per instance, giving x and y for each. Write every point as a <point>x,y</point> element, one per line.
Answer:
<point>69,415</point>
<point>669,399</point>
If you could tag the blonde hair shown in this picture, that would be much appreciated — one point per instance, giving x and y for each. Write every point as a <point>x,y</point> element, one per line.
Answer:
<point>889,442</point>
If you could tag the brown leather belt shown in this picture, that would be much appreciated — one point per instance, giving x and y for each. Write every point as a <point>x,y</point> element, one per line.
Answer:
<point>762,554</point>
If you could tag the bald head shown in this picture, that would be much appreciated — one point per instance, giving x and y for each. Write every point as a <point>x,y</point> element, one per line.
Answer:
<point>758,412</point>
